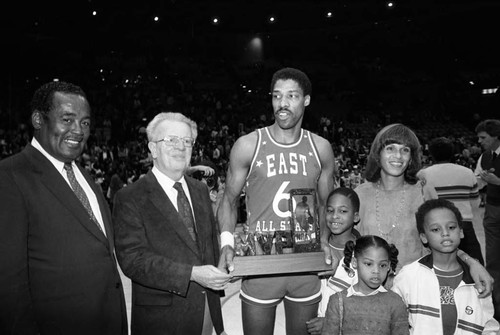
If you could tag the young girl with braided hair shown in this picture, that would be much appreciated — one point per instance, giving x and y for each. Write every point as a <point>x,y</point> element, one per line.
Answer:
<point>367,307</point>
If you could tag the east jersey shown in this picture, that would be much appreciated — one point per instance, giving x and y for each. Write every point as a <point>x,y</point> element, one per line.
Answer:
<point>276,169</point>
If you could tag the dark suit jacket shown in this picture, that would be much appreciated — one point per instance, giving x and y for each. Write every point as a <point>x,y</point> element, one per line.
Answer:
<point>58,274</point>
<point>155,250</point>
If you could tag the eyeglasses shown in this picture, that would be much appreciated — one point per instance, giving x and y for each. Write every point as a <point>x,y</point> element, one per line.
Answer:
<point>172,141</point>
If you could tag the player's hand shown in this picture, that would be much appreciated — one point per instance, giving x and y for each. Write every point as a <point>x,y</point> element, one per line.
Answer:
<point>226,259</point>
<point>329,259</point>
<point>314,326</point>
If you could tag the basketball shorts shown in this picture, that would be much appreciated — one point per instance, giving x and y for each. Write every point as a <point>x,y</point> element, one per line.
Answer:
<point>269,291</point>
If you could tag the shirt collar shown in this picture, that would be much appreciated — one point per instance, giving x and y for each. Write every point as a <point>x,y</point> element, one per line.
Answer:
<point>352,292</point>
<point>57,163</point>
<point>166,182</point>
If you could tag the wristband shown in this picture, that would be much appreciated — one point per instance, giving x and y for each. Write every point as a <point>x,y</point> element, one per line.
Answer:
<point>226,238</point>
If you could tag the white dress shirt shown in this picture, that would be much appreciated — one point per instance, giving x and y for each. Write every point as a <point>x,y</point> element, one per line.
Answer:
<point>79,177</point>
<point>167,184</point>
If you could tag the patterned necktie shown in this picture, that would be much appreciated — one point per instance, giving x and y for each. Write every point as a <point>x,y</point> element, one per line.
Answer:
<point>80,193</point>
<point>185,210</point>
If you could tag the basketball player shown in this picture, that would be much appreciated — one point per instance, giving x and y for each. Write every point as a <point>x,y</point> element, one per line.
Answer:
<point>270,162</point>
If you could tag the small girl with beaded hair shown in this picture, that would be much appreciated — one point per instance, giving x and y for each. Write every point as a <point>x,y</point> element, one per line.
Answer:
<point>367,307</point>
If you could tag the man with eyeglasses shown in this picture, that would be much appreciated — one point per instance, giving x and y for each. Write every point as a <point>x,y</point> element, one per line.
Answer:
<point>166,239</point>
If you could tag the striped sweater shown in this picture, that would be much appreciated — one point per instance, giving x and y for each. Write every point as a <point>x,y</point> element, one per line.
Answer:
<point>455,183</point>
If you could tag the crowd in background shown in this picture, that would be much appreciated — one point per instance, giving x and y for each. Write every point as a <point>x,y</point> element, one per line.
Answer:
<point>117,155</point>
<point>227,102</point>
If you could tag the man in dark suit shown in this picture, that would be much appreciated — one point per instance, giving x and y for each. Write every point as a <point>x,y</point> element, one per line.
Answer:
<point>488,174</point>
<point>169,253</point>
<point>58,273</point>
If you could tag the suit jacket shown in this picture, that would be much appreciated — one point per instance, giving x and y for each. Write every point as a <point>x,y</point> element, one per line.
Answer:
<point>58,271</point>
<point>155,250</point>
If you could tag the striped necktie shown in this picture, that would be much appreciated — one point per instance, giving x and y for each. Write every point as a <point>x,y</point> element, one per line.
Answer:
<point>185,211</point>
<point>80,193</point>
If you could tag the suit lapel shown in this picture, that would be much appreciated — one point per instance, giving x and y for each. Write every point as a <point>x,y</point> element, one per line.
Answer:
<point>54,182</point>
<point>162,202</point>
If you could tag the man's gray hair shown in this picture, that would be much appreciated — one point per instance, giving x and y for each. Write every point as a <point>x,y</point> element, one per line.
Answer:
<point>159,118</point>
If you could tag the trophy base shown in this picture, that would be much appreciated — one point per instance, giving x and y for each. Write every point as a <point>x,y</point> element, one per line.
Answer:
<point>281,263</point>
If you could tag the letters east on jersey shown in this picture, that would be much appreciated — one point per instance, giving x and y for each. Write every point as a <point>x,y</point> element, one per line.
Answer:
<point>282,215</point>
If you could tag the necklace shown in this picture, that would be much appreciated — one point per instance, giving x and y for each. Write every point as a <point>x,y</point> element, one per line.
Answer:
<point>393,221</point>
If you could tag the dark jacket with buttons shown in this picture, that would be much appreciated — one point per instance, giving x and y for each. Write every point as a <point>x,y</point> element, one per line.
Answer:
<point>58,270</point>
<point>155,250</point>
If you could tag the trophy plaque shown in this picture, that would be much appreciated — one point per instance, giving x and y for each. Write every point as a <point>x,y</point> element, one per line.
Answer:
<point>291,251</point>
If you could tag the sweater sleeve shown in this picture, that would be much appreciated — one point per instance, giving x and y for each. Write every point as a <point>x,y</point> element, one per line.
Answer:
<point>399,317</point>
<point>332,319</point>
